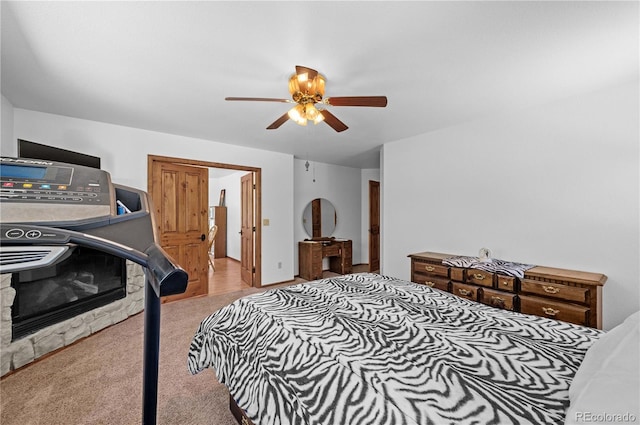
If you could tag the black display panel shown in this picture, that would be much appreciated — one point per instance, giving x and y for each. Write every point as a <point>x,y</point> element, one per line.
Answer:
<point>22,172</point>
<point>27,149</point>
<point>15,173</point>
<point>29,180</point>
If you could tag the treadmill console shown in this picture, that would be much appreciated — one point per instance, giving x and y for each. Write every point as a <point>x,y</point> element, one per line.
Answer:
<point>40,191</point>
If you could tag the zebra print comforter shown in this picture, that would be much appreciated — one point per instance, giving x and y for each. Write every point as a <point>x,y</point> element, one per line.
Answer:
<point>369,349</point>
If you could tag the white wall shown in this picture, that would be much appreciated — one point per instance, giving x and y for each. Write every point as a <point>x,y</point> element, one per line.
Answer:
<point>341,186</point>
<point>556,185</point>
<point>124,153</point>
<point>8,144</point>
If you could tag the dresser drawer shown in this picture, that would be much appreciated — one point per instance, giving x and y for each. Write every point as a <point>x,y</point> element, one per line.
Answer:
<point>554,310</point>
<point>310,260</point>
<point>506,283</point>
<point>465,291</point>
<point>457,274</point>
<point>555,290</point>
<point>480,277</point>
<point>310,248</point>
<point>418,266</point>
<point>498,299</point>
<point>432,282</point>
<point>331,250</point>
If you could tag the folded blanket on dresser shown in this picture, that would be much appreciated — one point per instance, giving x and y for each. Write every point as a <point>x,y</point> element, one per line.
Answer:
<point>369,349</point>
<point>507,268</point>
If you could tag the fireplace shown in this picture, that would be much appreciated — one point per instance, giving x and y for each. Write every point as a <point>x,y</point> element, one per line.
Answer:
<point>86,279</point>
<point>18,352</point>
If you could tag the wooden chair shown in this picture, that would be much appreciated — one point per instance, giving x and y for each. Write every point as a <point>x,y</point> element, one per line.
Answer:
<point>211,239</point>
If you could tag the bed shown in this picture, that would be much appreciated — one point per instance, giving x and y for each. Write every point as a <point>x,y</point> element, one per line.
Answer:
<point>371,349</point>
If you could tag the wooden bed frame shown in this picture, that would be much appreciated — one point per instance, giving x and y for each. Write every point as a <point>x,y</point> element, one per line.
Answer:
<point>238,413</point>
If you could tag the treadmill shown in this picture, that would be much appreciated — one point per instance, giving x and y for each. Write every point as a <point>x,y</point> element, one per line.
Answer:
<point>54,207</point>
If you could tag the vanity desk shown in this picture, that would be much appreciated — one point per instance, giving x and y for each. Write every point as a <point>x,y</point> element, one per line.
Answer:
<point>313,251</point>
<point>319,221</point>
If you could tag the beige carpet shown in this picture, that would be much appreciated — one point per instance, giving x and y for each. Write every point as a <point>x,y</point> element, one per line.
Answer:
<point>99,379</point>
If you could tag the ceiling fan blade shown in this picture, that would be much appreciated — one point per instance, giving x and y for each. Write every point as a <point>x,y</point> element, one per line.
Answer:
<point>311,73</point>
<point>376,101</point>
<point>305,78</point>
<point>277,123</point>
<point>259,99</point>
<point>333,121</point>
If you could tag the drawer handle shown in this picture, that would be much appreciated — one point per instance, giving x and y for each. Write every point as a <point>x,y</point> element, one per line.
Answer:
<point>505,282</point>
<point>497,301</point>
<point>430,284</point>
<point>478,276</point>
<point>551,289</point>
<point>465,292</point>
<point>550,311</point>
<point>429,268</point>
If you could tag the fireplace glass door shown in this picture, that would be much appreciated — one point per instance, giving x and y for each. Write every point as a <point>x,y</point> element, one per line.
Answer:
<point>83,280</point>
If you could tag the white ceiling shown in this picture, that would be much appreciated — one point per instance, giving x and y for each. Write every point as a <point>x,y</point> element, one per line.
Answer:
<point>167,66</point>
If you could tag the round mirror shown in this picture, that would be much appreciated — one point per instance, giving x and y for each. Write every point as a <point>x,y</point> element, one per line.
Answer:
<point>319,218</point>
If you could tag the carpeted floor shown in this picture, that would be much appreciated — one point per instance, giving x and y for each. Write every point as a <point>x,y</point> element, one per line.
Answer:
<point>99,379</point>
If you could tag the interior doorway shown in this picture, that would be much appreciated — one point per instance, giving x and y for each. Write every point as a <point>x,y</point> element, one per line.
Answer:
<point>374,226</point>
<point>234,233</point>
<point>154,164</point>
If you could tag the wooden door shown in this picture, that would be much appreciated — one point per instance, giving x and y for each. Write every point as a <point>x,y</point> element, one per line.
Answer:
<point>247,229</point>
<point>374,226</point>
<point>180,198</point>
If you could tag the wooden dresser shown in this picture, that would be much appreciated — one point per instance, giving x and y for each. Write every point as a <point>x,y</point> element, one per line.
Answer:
<point>567,295</point>
<point>220,220</point>
<point>312,252</point>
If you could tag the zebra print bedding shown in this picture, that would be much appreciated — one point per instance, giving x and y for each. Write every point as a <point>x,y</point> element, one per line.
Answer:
<point>370,349</point>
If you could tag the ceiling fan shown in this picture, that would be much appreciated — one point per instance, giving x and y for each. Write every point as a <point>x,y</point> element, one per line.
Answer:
<point>307,90</point>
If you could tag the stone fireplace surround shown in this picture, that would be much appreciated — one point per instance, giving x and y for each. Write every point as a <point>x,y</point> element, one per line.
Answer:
<point>25,350</point>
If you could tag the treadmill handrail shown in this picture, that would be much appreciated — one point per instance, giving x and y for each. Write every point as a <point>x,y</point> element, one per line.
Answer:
<point>65,237</point>
<point>159,266</point>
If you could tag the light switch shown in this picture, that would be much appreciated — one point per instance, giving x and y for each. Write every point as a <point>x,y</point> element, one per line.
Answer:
<point>265,221</point>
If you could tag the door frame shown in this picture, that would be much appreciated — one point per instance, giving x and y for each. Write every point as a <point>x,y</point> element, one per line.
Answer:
<point>257,172</point>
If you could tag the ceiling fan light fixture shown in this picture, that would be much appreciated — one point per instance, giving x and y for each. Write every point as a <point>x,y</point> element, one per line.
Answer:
<point>300,83</point>
<point>311,113</point>
<point>294,87</point>
<point>298,115</point>
<point>319,118</point>
<point>317,86</point>
<point>302,78</point>
<point>294,113</point>
<point>302,113</point>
